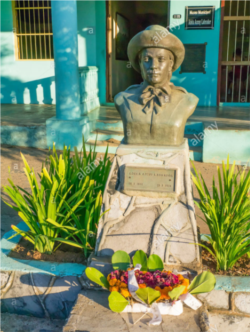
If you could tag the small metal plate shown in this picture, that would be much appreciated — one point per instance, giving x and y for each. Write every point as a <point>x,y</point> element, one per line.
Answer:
<point>155,179</point>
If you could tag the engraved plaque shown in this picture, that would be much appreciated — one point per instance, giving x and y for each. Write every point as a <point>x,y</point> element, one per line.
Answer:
<point>201,17</point>
<point>156,179</point>
<point>195,59</point>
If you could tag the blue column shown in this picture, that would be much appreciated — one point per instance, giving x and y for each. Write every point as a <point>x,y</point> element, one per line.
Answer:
<point>64,24</point>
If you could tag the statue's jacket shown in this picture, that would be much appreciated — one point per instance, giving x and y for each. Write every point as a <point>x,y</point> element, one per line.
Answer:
<point>165,127</point>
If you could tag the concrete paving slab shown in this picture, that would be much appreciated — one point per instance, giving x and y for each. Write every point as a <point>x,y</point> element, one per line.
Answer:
<point>91,313</point>
<point>222,323</point>
<point>18,323</point>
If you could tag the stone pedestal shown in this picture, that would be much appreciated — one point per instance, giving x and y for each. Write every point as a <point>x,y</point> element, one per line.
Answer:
<point>149,198</point>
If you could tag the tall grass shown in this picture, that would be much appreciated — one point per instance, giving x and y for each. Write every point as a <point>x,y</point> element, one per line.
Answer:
<point>227,214</point>
<point>66,207</point>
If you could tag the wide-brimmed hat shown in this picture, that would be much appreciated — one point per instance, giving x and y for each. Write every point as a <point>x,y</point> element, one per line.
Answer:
<point>155,36</point>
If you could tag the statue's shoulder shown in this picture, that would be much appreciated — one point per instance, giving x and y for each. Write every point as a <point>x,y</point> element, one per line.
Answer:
<point>178,89</point>
<point>193,99</point>
<point>118,99</point>
<point>133,89</point>
<point>190,98</point>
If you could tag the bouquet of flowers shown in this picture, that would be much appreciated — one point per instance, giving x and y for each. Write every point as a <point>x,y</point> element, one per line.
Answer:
<point>148,283</point>
<point>162,281</point>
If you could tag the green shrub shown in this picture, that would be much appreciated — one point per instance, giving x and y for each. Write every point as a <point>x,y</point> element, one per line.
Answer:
<point>67,205</point>
<point>227,214</point>
<point>49,202</point>
<point>80,166</point>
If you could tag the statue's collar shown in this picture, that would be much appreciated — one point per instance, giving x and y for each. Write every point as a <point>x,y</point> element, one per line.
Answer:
<point>167,87</point>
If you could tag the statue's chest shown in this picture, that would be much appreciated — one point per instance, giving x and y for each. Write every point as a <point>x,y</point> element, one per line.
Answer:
<point>165,127</point>
<point>169,113</point>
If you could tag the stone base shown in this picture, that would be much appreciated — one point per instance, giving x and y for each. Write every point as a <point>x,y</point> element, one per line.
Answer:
<point>158,223</point>
<point>67,132</point>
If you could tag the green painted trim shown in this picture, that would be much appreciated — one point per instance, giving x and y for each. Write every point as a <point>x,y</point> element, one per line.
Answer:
<point>228,283</point>
<point>51,268</point>
<point>232,284</point>
<point>235,104</point>
<point>108,104</point>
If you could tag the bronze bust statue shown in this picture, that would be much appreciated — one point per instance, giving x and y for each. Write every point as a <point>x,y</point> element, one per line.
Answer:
<point>155,112</point>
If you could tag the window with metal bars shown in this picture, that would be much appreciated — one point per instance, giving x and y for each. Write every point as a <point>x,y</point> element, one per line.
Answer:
<point>235,61</point>
<point>33,30</point>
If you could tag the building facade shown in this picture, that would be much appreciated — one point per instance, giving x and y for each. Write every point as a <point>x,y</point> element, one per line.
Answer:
<point>28,74</point>
<point>73,54</point>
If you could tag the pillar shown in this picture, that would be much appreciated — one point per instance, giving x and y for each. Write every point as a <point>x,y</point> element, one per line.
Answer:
<point>64,25</point>
<point>67,127</point>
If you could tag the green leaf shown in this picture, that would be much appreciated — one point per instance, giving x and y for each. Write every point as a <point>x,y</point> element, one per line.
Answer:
<point>64,203</point>
<point>97,277</point>
<point>248,254</point>
<point>71,243</point>
<point>43,244</point>
<point>155,263</point>
<point>117,302</point>
<point>176,292</point>
<point>226,213</point>
<point>120,260</point>
<point>148,295</point>
<point>25,235</point>
<point>202,283</point>
<point>141,258</point>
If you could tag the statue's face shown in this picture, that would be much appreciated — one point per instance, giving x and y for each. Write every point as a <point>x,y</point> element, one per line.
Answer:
<point>156,65</point>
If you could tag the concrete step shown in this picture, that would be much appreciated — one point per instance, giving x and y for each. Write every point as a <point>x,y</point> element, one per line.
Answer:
<point>114,125</point>
<point>107,132</point>
<point>104,137</point>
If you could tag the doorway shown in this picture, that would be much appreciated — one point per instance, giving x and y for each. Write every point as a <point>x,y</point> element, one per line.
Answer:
<point>234,62</point>
<point>124,20</point>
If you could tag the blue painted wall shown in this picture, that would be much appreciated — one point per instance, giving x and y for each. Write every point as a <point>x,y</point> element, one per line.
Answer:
<point>204,86</point>
<point>86,23</point>
<point>22,82</point>
<point>100,14</point>
<point>25,82</point>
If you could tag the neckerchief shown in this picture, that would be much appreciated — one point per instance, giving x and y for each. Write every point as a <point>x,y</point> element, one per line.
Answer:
<point>153,99</point>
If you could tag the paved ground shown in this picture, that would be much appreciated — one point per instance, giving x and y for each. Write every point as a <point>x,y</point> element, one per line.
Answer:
<point>92,314</point>
<point>16,323</point>
<point>226,323</point>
